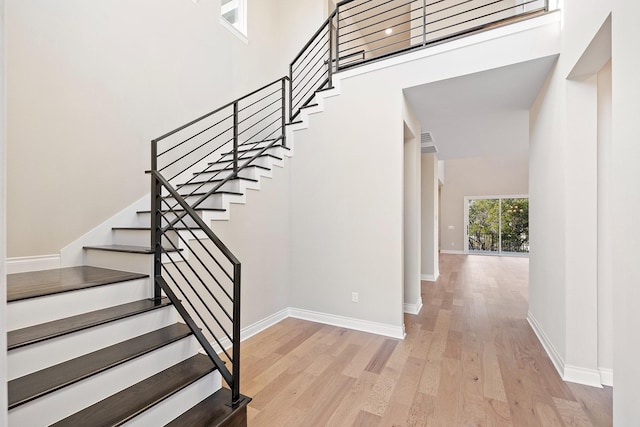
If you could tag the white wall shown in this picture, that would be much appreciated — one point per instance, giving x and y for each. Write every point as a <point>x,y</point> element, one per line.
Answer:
<point>626,203</point>
<point>3,283</point>
<point>90,84</point>
<point>605,232</point>
<point>429,199</point>
<point>563,193</point>
<point>258,235</point>
<point>478,176</point>
<point>347,178</point>
<point>412,209</point>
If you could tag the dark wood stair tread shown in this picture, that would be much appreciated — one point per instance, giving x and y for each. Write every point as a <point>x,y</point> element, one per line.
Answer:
<point>198,209</point>
<point>307,106</point>
<point>237,178</point>
<point>241,159</point>
<point>213,411</point>
<point>231,193</point>
<point>126,404</point>
<point>145,250</point>
<point>34,284</point>
<point>231,169</point>
<point>248,150</point>
<point>44,331</point>
<point>45,381</point>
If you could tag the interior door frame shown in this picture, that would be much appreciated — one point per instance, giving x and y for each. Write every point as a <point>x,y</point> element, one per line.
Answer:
<point>465,225</point>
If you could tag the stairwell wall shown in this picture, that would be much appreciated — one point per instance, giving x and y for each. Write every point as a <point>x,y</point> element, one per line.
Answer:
<point>347,180</point>
<point>90,84</point>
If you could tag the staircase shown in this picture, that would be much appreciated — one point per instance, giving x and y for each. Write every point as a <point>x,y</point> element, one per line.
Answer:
<point>147,331</point>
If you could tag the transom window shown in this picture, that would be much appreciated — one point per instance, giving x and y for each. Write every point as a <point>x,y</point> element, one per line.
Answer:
<point>234,13</point>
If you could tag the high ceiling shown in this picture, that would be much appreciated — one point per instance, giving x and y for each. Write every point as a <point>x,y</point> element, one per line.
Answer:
<point>481,114</point>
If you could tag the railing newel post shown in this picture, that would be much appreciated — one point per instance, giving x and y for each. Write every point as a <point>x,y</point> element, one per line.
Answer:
<point>290,92</point>
<point>330,63</point>
<point>156,221</point>
<point>337,37</point>
<point>235,392</point>
<point>284,113</point>
<point>235,137</point>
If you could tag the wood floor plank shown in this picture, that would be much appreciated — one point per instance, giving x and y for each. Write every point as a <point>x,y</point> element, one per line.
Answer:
<point>469,358</point>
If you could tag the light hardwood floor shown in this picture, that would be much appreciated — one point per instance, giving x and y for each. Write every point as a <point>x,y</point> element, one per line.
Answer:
<point>469,359</point>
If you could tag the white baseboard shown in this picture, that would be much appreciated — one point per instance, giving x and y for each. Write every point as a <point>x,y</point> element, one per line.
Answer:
<point>553,354</point>
<point>444,251</point>
<point>413,308</point>
<point>253,329</point>
<point>574,374</point>
<point>32,263</point>
<point>349,323</point>
<point>606,376</point>
<point>430,277</point>
<point>313,316</point>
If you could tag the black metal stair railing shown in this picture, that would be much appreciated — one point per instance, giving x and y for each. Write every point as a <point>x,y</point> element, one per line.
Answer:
<point>375,29</point>
<point>195,164</point>
<point>191,168</point>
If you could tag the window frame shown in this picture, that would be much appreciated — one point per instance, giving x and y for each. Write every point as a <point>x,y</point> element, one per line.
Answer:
<point>239,30</point>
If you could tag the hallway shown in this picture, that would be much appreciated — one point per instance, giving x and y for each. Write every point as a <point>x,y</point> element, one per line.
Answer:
<point>469,359</point>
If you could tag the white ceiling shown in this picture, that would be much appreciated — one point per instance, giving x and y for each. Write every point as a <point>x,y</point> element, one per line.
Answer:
<point>482,114</point>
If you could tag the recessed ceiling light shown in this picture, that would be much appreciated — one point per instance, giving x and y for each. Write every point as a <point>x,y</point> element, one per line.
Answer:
<point>388,31</point>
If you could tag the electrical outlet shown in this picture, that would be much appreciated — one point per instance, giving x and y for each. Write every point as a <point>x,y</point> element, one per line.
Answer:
<point>354,297</point>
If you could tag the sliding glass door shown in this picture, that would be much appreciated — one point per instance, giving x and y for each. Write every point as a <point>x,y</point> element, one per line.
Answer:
<point>497,225</point>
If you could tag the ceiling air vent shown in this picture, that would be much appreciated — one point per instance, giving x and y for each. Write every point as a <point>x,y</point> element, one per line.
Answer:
<point>427,143</point>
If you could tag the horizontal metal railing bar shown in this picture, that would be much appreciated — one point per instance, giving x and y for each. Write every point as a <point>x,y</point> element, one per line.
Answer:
<point>186,227</point>
<point>193,215</point>
<point>312,88</point>
<point>362,36</point>
<point>200,159</point>
<point>193,308</point>
<point>379,14</point>
<point>313,79</point>
<point>319,66</point>
<point>480,17</point>
<point>197,134</point>
<point>261,99</point>
<point>366,10</point>
<point>372,25</point>
<point>194,150</point>
<point>324,50</point>
<point>312,60</point>
<point>278,100</point>
<point>295,113</point>
<point>324,24</point>
<point>344,57</point>
<point>264,129</point>
<point>294,69</point>
<point>224,371</point>
<point>267,117</point>
<point>192,122</point>
<point>395,36</point>
<point>188,264</point>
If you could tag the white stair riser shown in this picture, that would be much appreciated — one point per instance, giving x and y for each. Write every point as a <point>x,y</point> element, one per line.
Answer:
<point>198,186</point>
<point>215,201</point>
<point>250,172</point>
<point>265,161</point>
<point>142,238</point>
<point>32,358</point>
<point>144,219</point>
<point>240,186</point>
<point>137,263</point>
<point>33,311</point>
<point>73,398</point>
<point>180,402</point>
